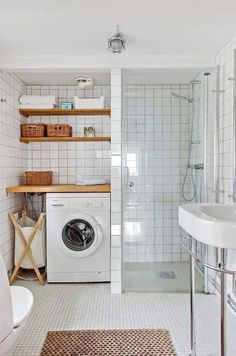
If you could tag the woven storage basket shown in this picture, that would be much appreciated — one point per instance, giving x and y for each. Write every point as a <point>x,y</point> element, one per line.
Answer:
<point>32,130</point>
<point>59,130</point>
<point>38,178</point>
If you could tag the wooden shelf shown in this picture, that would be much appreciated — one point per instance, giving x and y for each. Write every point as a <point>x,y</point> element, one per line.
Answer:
<point>65,139</point>
<point>60,188</point>
<point>64,112</point>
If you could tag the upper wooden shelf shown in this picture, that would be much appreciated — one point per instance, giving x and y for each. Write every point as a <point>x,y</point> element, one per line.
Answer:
<point>64,139</point>
<point>64,112</point>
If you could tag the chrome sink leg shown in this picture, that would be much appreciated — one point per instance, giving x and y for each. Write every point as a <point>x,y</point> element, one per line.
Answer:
<point>223,303</point>
<point>192,300</point>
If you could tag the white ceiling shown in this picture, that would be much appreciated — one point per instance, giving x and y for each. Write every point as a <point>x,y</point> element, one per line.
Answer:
<point>81,27</point>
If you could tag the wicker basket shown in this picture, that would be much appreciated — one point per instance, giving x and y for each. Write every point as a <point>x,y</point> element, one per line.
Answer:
<point>32,130</point>
<point>59,130</point>
<point>38,178</point>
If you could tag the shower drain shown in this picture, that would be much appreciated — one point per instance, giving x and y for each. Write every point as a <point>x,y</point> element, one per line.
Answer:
<point>167,275</point>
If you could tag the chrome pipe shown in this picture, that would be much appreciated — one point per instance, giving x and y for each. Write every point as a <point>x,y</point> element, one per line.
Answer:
<point>216,269</point>
<point>192,300</point>
<point>223,293</point>
<point>223,303</point>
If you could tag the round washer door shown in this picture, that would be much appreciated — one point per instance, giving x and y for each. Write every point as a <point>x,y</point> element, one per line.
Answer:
<point>81,236</point>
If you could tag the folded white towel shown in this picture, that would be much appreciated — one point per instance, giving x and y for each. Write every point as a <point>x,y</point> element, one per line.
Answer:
<point>90,181</point>
<point>36,106</point>
<point>38,99</point>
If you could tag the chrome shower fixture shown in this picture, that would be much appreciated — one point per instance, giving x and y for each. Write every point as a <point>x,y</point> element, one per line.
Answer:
<point>117,42</point>
<point>195,81</point>
<point>189,100</point>
<point>196,166</point>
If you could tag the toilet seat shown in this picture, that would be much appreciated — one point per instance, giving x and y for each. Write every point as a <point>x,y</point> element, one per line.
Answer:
<point>15,307</point>
<point>22,303</point>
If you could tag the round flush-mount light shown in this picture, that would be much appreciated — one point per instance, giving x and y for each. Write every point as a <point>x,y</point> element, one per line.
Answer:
<point>117,42</point>
<point>83,81</point>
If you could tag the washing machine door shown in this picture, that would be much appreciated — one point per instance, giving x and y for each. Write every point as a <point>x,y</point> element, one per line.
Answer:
<point>81,236</point>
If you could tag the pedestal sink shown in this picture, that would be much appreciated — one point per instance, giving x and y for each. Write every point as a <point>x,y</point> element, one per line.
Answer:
<point>213,225</point>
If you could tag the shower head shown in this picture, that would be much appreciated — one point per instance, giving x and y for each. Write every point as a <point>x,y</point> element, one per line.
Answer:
<point>189,100</point>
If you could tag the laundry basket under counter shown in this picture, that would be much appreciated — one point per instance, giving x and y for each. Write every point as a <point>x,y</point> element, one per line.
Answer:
<point>30,251</point>
<point>27,226</point>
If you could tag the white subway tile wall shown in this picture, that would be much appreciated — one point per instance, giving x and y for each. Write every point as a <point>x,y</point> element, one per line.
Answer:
<point>70,159</point>
<point>155,138</point>
<point>13,159</point>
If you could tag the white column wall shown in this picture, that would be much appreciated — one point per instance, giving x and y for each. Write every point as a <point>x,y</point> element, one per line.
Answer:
<point>116,241</point>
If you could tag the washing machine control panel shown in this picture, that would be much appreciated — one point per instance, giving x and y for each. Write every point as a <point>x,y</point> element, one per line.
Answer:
<point>80,203</point>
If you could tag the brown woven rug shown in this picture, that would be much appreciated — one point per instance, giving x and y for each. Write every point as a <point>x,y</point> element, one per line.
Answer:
<point>143,342</point>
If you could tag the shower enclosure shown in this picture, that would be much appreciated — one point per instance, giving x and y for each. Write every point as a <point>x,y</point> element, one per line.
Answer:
<point>164,152</point>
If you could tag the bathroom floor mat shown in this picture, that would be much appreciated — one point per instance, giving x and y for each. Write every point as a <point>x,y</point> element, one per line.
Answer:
<point>143,342</point>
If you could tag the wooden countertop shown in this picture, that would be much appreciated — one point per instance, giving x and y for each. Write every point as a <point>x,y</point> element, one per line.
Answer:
<point>60,188</point>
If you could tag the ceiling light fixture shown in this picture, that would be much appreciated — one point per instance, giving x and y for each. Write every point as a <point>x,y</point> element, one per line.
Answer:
<point>83,81</point>
<point>117,42</point>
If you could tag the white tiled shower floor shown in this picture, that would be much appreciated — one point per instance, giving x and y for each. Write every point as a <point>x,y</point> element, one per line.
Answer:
<point>91,306</point>
<point>153,276</point>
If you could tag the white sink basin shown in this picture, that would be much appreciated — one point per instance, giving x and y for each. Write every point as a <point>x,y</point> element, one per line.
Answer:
<point>211,224</point>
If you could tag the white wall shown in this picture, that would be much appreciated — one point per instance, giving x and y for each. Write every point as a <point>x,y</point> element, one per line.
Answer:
<point>13,159</point>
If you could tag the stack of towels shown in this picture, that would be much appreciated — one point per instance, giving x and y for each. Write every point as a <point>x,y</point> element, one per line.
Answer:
<point>81,180</point>
<point>37,101</point>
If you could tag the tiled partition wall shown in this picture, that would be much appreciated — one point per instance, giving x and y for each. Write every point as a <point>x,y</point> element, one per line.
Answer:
<point>13,159</point>
<point>155,138</point>
<point>116,192</point>
<point>70,159</point>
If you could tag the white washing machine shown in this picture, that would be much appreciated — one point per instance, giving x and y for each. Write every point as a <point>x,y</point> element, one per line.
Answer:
<point>78,237</point>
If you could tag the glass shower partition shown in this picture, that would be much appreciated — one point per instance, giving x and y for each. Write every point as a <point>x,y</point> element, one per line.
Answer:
<point>155,142</point>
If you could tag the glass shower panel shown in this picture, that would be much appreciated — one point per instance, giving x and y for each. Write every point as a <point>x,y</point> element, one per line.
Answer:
<point>155,145</point>
<point>203,121</point>
<point>197,144</point>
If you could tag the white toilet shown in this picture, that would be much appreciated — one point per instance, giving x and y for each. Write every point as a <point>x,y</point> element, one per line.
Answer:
<point>15,307</point>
